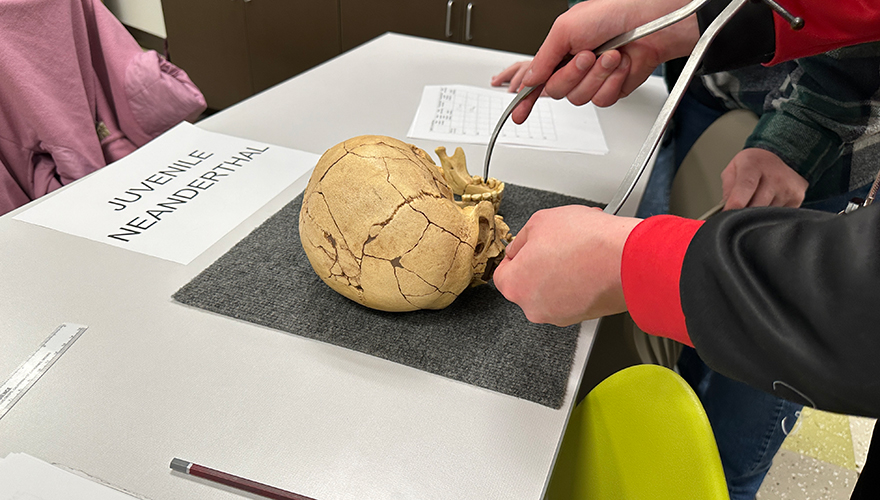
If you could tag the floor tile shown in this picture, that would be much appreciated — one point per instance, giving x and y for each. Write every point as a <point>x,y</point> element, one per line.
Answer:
<point>799,477</point>
<point>823,436</point>
<point>820,459</point>
<point>861,429</point>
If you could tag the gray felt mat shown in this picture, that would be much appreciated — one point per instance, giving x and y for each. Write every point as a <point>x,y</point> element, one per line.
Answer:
<point>481,339</point>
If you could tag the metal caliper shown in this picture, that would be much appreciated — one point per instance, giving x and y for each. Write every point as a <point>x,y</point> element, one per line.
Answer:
<point>662,122</point>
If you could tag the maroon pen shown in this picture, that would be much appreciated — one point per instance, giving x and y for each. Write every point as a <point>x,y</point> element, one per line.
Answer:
<point>234,481</point>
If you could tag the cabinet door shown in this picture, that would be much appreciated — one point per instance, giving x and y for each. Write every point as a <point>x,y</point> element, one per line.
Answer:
<point>206,38</point>
<point>287,37</point>
<point>363,20</point>
<point>512,25</point>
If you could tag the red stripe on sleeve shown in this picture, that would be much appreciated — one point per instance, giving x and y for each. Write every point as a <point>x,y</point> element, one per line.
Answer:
<point>827,25</point>
<point>650,271</point>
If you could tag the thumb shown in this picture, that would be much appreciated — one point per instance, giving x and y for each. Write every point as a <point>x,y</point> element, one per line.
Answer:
<point>513,248</point>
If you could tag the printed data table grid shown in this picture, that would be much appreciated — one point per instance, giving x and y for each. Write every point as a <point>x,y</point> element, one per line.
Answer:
<point>460,112</point>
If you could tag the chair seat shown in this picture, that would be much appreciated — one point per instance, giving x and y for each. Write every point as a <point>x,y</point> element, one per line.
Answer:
<point>641,433</point>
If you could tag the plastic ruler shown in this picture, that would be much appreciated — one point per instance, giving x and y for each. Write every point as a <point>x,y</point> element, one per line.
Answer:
<point>26,375</point>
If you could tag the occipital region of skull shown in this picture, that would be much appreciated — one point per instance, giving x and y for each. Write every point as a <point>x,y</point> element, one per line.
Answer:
<point>383,225</point>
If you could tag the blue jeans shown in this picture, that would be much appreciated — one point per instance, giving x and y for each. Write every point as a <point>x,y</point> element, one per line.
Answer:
<point>749,425</point>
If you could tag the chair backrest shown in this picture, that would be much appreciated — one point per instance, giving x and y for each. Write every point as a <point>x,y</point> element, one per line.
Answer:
<point>640,434</point>
<point>697,185</point>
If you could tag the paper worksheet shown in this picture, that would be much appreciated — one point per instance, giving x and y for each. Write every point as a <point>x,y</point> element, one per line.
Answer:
<point>23,477</point>
<point>464,114</point>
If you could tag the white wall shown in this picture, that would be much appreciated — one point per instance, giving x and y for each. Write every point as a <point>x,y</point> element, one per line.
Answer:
<point>145,15</point>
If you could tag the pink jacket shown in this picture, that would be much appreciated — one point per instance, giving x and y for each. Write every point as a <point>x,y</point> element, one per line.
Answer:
<point>76,93</point>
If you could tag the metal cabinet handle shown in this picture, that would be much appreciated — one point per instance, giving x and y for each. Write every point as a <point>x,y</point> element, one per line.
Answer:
<point>449,18</point>
<point>467,25</point>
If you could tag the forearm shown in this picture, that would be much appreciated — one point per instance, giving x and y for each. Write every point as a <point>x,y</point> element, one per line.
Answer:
<point>800,142</point>
<point>789,295</point>
<point>650,272</point>
<point>757,35</point>
<point>781,299</point>
<point>827,104</point>
<point>828,25</point>
<point>732,48</point>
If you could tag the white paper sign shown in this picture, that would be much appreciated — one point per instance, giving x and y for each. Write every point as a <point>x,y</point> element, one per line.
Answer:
<point>175,196</point>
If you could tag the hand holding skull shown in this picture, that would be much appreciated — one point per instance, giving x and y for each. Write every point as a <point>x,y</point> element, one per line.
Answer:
<point>564,265</point>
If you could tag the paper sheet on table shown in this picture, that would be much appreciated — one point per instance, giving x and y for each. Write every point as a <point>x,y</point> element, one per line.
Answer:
<point>23,477</point>
<point>175,196</point>
<point>465,114</point>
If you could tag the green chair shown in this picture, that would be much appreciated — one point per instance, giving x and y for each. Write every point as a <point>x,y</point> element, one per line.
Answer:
<point>640,434</point>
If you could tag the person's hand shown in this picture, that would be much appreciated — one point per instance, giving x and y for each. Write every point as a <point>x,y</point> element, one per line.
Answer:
<point>512,75</point>
<point>758,178</point>
<point>564,266</point>
<point>617,73</point>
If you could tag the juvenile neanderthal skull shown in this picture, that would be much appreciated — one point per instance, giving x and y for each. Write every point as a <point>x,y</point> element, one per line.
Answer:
<point>380,225</point>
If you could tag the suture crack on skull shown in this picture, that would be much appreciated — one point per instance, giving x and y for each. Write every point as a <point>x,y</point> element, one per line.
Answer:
<point>381,225</point>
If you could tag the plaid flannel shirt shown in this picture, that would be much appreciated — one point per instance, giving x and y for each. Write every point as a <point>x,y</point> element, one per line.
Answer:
<point>820,114</point>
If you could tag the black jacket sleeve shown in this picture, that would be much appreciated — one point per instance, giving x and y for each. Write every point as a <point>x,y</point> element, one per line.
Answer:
<point>749,37</point>
<point>788,301</point>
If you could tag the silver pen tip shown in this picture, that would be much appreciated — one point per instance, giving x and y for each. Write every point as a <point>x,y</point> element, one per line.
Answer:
<point>180,465</point>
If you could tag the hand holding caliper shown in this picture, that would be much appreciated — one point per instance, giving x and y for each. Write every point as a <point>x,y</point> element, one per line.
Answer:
<point>588,27</point>
<point>673,34</point>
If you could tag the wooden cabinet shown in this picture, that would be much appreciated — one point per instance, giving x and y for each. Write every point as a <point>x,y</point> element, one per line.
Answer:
<point>512,25</point>
<point>233,49</point>
<point>287,37</point>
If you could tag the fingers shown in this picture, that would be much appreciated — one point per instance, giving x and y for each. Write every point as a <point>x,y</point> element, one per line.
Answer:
<point>768,195</point>
<point>580,80</point>
<point>512,249</point>
<point>583,84</point>
<point>572,74</point>
<point>642,63</point>
<point>612,90</point>
<point>516,80</point>
<point>560,276</point>
<point>603,81</point>
<point>584,27</point>
<point>603,84</point>
<point>505,76</point>
<point>762,197</point>
<point>796,199</point>
<point>500,275</point>
<point>505,273</point>
<point>744,186</point>
<point>565,79</point>
<point>758,178</point>
<point>522,110</point>
<point>513,75</point>
<point>552,51</point>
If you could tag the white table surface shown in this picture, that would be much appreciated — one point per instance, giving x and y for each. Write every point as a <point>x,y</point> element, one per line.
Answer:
<point>151,379</point>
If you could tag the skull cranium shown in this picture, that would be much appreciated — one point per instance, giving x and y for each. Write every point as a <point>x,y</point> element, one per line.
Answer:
<point>380,225</point>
